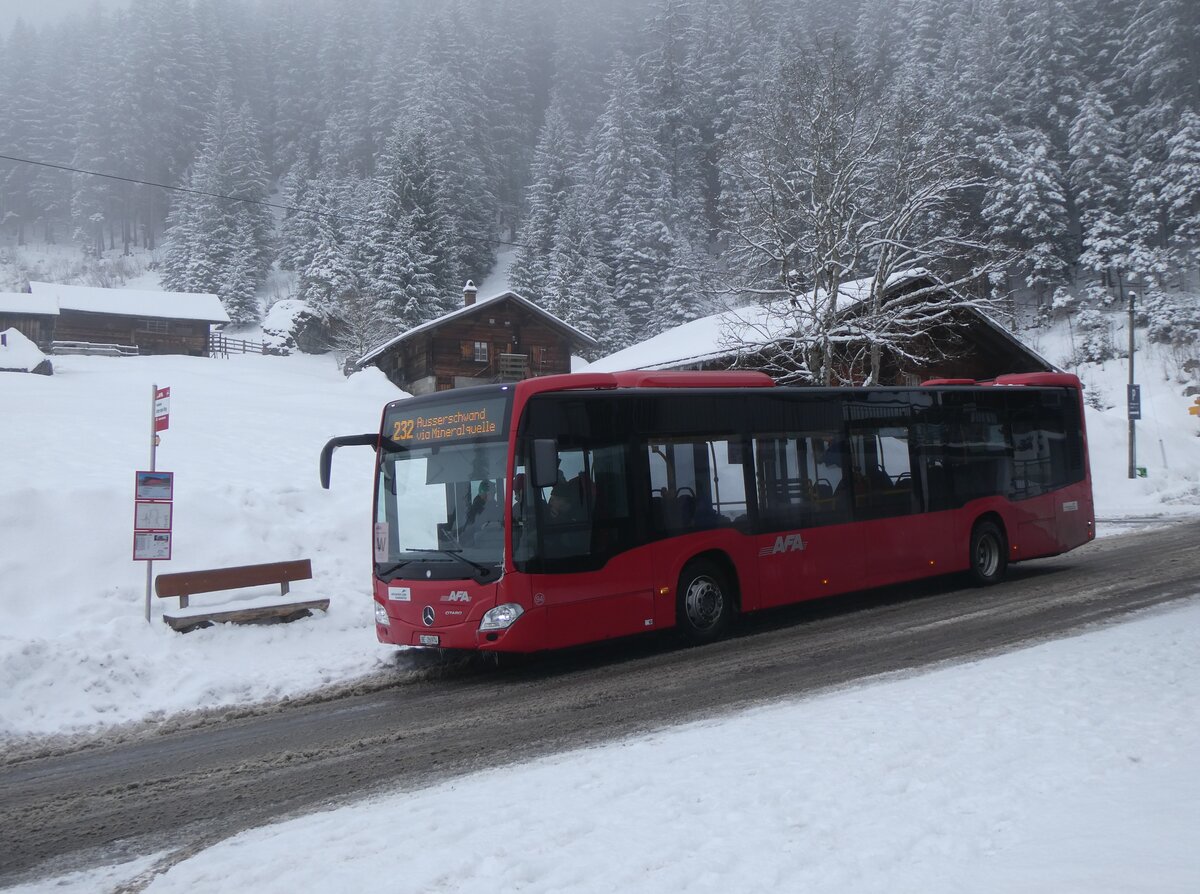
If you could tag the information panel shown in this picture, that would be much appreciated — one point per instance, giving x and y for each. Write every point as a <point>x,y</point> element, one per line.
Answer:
<point>151,545</point>
<point>154,485</point>
<point>152,516</point>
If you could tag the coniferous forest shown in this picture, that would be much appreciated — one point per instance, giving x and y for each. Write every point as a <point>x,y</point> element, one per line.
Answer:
<point>650,158</point>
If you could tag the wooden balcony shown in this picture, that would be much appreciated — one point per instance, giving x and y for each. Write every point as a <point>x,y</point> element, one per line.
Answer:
<point>512,367</point>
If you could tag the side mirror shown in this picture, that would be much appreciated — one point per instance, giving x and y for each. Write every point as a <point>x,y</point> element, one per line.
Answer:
<point>368,440</point>
<point>545,462</point>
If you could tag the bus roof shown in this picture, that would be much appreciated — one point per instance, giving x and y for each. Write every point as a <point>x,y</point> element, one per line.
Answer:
<point>589,381</point>
<point>645,379</point>
<point>1043,379</point>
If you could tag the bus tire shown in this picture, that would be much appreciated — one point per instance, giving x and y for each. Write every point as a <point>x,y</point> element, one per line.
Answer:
<point>989,553</point>
<point>704,602</point>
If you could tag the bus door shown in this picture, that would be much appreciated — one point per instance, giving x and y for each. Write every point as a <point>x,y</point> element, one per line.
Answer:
<point>698,486</point>
<point>1047,458</point>
<point>577,534</point>
<point>807,546</point>
<point>901,543</point>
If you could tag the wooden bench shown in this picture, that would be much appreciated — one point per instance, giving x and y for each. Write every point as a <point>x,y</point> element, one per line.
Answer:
<point>213,580</point>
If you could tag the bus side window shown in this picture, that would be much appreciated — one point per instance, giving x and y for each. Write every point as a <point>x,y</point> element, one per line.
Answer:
<point>696,484</point>
<point>882,471</point>
<point>801,480</point>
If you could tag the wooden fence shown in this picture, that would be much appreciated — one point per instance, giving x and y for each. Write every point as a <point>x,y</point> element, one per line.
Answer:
<point>220,345</point>
<point>87,347</point>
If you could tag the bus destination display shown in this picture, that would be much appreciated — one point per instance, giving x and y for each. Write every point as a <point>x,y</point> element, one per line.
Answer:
<point>450,422</point>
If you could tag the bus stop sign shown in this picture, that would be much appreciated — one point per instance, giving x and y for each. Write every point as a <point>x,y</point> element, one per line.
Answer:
<point>162,409</point>
<point>1135,401</point>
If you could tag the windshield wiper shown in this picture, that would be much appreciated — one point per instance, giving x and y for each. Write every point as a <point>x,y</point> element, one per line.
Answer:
<point>456,554</point>
<point>394,566</point>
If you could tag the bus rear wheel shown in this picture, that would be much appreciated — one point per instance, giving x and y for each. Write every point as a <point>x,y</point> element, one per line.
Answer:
<point>704,602</point>
<point>989,554</point>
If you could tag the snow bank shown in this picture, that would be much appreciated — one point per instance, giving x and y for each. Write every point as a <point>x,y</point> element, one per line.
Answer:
<point>244,441</point>
<point>19,353</point>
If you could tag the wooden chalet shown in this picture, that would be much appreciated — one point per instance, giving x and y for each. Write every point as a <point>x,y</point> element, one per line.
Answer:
<point>145,322</point>
<point>969,344</point>
<point>499,339</point>
<point>33,316</point>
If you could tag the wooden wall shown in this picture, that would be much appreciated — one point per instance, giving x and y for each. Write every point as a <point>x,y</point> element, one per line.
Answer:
<point>447,352</point>
<point>37,328</point>
<point>179,337</point>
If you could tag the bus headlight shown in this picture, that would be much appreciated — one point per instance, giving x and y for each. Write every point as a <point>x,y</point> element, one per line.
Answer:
<point>381,615</point>
<point>501,617</point>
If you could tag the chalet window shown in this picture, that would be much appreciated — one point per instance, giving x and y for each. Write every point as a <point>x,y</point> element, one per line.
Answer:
<point>481,352</point>
<point>157,326</point>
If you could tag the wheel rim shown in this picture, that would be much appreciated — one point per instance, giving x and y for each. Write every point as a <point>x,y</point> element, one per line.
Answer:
<point>704,602</point>
<point>987,555</point>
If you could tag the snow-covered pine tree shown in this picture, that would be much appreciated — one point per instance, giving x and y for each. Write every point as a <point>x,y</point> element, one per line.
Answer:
<point>631,185</point>
<point>1099,174</point>
<point>210,237</point>
<point>550,186</point>
<point>404,263</point>
<point>242,272</point>
<point>578,288</point>
<point>1181,193</point>
<point>1046,78</point>
<point>672,94</point>
<point>449,107</point>
<point>297,230</point>
<point>1026,206</point>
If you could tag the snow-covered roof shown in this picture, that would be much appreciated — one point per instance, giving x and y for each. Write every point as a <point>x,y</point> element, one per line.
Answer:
<point>25,303</point>
<point>746,329</point>
<point>725,333</point>
<point>200,306</point>
<point>469,309</point>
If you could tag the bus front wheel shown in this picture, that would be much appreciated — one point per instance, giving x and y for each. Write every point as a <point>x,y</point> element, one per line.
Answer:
<point>989,553</point>
<point>704,602</point>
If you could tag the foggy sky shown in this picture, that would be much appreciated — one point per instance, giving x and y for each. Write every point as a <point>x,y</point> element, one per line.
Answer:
<point>46,12</point>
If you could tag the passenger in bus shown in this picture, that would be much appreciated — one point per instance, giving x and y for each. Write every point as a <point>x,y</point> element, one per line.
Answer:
<point>482,502</point>
<point>518,495</point>
<point>565,504</point>
<point>829,463</point>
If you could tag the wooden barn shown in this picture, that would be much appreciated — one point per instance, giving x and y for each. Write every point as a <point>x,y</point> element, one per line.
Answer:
<point>33,316</point>
<point>145,322</point>
<point>969,343</point>
<point>499,339</point>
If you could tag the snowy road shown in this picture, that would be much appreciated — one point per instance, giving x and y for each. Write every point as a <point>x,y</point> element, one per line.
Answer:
<point>194,787</point>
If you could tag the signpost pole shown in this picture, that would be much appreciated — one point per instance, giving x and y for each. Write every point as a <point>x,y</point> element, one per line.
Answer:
<point>153,468</point>
<point>1132,380</point>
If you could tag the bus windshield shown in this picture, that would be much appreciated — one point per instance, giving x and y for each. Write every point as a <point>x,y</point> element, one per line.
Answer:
<point>442,485</point>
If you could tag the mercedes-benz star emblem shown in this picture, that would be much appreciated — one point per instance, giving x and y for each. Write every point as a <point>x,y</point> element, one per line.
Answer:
<point>427,615</point>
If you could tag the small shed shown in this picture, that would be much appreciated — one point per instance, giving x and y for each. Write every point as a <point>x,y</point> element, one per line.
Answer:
<point>33,316</point>
<point>153,322</point>
<point>503,338</point>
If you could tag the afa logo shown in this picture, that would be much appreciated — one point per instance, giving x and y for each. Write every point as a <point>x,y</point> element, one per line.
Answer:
<point>784,543</point>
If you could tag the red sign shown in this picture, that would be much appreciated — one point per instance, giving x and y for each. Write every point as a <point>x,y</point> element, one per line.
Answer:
<point>162,409</point>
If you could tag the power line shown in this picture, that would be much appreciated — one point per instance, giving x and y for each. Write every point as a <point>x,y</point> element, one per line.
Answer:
<point>222,197</point>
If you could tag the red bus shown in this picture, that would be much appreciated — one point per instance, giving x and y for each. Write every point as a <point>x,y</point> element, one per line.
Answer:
<point>568,509</point>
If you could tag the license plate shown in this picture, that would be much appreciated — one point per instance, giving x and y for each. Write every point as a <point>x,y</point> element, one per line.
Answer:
<point>429,639</point>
